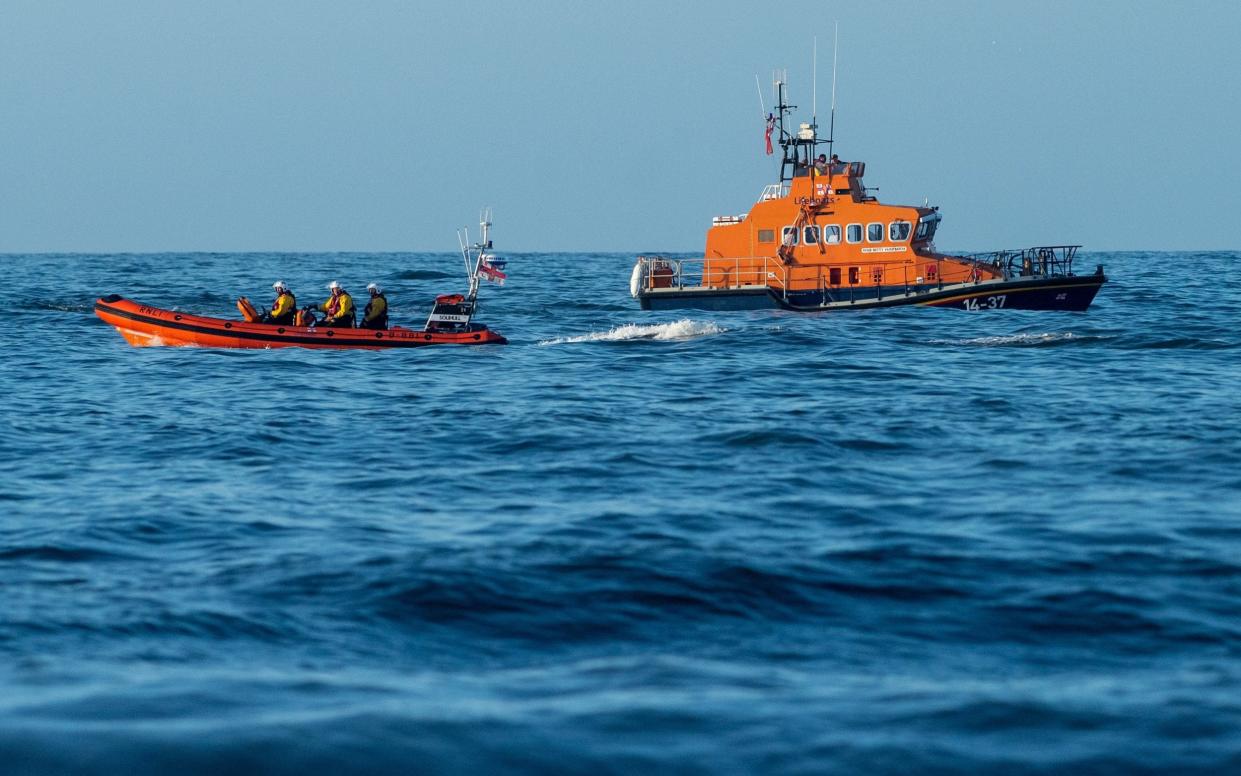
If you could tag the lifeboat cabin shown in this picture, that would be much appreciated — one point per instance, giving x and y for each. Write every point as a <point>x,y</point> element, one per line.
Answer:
<point>818,240</point>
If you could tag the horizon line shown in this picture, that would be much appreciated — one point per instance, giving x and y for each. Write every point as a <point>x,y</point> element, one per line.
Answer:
<point>574,251</point>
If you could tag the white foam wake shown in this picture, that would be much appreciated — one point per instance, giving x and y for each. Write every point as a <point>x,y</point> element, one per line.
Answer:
<point>683,329</point>
<point>1045,338</point>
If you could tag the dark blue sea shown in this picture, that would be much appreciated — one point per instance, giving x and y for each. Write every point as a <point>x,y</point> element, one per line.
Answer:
<point>909,540</point>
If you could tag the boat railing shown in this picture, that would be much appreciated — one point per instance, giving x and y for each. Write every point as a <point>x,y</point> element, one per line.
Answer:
<point>1040,261</point>
<point>774,191</point>
<point>662,272</point>
<point>876,277</point>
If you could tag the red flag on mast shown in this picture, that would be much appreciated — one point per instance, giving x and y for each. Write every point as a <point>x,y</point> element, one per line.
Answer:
<point>771,125</point>
<point>491,273</point>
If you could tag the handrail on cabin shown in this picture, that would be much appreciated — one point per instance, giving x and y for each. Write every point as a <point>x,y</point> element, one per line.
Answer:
<point>773,191</point>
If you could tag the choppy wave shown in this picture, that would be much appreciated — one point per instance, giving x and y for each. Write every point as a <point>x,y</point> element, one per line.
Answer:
<point>683,329</point>
<point>58,305</point>
<point>1018,340</point>
<point>423,274</point>
<point>750,542</point>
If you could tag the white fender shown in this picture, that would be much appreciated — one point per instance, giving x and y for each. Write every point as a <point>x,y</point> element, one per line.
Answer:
<point>635,280</point>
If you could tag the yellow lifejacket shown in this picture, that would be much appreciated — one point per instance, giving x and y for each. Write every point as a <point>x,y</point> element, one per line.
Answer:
<point>338,307</point>
<point>376,312</point>
<point>283,305</point>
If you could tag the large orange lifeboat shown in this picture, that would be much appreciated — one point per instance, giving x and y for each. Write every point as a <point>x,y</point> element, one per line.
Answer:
<point>819,241</point>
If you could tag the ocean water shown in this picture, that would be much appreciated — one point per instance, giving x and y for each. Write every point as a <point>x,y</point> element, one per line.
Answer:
<point>882,542</point>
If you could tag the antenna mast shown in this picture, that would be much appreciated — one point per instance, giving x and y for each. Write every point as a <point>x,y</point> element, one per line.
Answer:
<point>831,132</point>
<point>780,82</point>
<point>814,86</point>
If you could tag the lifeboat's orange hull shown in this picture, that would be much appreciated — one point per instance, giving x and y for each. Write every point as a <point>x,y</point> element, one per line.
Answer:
<point>145,326</point>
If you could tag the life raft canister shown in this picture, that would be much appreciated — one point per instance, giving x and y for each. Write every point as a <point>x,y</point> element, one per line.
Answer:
<point>661,275</point>
<point>247,311</point>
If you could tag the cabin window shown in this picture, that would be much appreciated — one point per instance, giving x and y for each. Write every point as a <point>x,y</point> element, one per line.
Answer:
<point>874,233</point>
<point>854,233</point>
<point>831,234</point>
<point>810,235</point>
<point>898,231</point>
<point>788,236</point>
<point>833,276</point>
<point>767,235</point>
<point>926,230</point>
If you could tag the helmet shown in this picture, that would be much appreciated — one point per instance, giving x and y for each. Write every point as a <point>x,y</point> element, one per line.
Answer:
<point>374,287</point>
<point>280,286</point>
<point>333,286</point>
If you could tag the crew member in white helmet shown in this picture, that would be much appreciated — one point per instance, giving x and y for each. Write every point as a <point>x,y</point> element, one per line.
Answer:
<point>338,308</point>
<point>375,316</point>
<point>283,308</point>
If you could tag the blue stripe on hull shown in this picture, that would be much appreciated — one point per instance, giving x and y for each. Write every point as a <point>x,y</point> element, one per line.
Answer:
<point>867,295</point>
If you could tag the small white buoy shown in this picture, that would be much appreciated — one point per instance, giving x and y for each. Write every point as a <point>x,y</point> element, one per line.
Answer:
<point>635,280</point>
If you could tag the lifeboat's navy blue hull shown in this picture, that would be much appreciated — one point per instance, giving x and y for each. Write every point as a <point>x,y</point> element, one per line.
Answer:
<point>1072,293</point>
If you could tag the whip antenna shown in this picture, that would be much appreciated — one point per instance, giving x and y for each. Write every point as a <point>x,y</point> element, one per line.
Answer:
<point>762,109</point>
<point>831,132</point>
<point>814,84</point>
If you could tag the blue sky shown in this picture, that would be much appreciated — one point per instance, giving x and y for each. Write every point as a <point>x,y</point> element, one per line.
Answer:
<point>147,126</point>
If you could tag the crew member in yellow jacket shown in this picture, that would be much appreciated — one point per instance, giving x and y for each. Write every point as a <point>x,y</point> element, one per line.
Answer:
<point>283,308</point>
<point>338,308</point>
<point>375,316</point>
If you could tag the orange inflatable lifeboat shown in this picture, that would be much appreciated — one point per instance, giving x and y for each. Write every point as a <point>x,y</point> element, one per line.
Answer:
<point>451,321</point>
<point>143,325</point>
